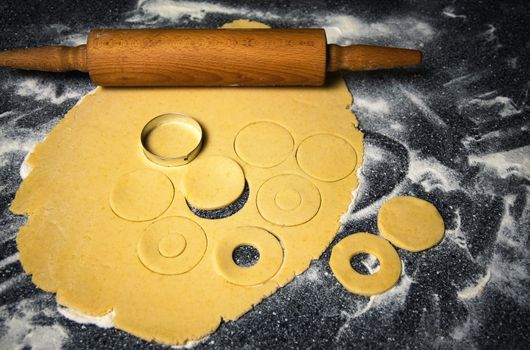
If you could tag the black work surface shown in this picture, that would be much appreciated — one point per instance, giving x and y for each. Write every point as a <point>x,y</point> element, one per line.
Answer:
<point>454,132</point>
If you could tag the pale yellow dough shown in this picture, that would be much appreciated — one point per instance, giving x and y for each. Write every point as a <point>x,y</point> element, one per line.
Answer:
<point>378,282</point>
<point>97,262</point>
<point>141,195</point>
<point>213,182</point>
<point>263,144</point>
<point>410,223</point>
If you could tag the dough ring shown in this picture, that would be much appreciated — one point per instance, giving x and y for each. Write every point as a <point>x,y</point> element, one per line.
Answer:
<point>213,182</point>
<point>172,245</point>
<point>270,256</point>
<point>378,282</point>
<point>263,144</point>
<point>141,195</point>
<point>410,223</point>
<point>326,157</point>
<point>288,200</point>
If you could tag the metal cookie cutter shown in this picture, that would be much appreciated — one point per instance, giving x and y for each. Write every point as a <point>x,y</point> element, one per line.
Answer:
<point>160,139</point>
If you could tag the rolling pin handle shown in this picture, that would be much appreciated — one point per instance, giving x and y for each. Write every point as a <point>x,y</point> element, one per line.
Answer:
<point>368,57</point>
<point>47,58</point>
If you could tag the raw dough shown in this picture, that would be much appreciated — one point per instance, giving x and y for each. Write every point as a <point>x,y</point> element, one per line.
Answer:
<point>263,144</point>
<point>213,182</point>
<point>326,157</point>
<point>172,245</point>
<point>73,243</point>
<point>141,195</point>
<point>270,255</point>
<point>378,282</point>
<point>288,200</point>
<point>410,223</point>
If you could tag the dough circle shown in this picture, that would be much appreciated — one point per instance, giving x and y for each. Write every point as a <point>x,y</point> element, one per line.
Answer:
<point>410,223</point>
<point>288,200</point>
<point>263,144</point>
<point>270,256</point>
<point>378,282</point>
<point>141,195</point>
<point>326,157</point>
<point>161,249</point>
<point>213,182</point>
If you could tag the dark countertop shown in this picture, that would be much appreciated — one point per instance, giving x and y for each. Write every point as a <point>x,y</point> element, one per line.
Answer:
<point>454,132</point>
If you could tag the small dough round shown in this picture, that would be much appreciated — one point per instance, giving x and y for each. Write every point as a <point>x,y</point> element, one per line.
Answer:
<point>213,182</point>
<point>378,282</point>
<point>288,200</point>
<point>263,144</point>
<point>269,262</point>
<point>326,157</point>
<point>141,195</point>
<point>172,245</point>
<point>410,223</point>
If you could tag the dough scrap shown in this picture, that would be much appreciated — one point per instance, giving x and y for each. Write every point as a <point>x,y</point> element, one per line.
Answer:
<point>141,195</point>
<point>75,245</point>
<point>213,182</point>
<point>378,282</point>
<point>410,223</point>
<point>263,144</point>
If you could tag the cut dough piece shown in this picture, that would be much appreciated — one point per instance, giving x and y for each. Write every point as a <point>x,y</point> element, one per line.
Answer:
<point>410,223</point>
<point>378,282</point>
<point>288,200</point>
<point>263,144</point>
<point>141,195</point>
<point>270,255</point>
<point>213,182</point>
<point>326,157</point>
<point>172,245</point>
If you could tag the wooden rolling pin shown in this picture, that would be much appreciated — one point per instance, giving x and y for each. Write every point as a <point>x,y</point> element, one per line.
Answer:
<point>205,57</point>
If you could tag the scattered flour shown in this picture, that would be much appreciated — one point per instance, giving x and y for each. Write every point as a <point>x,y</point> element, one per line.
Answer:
<point>377,106</point>
<point>44,91</point>
<point>105,321</point>
<point>516,161</point>
<point>24,329</point>
<point>154,11</point>
<point>475,290</point>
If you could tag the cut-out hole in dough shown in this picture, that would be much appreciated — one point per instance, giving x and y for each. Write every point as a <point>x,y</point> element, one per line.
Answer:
<point>288,200</point>
<point>141,195</point>
<point>326,157</point>
<point>365,264</point>
<point>225,211</point>
<point>270,255</point>
<point>263,144</point>
<point>213,182</point>
<point>245,255</point>
<point>172,245</point>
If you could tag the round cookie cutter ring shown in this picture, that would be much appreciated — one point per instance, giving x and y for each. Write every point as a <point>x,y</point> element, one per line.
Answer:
<point>172,117</point>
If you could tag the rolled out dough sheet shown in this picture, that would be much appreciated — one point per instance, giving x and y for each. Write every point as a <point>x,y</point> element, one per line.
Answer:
<point>98,261</point>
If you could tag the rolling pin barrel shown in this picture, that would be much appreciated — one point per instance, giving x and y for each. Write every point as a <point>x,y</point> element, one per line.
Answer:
<point>255,57</point>
<point>208,57</point>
